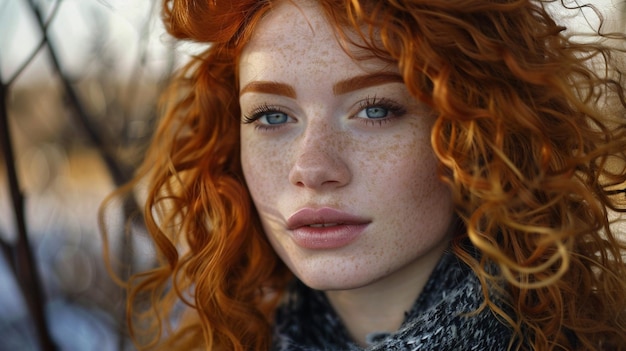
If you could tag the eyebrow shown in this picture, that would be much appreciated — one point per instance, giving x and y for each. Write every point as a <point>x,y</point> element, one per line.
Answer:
<point>340,88</point>
<point>269,88</point>
<point>366,81</point>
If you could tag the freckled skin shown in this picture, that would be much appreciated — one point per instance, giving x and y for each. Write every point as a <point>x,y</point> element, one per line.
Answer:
<point>324,156</point>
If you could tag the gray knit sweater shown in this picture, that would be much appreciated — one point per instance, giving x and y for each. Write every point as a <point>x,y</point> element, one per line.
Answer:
<point>438,321</point>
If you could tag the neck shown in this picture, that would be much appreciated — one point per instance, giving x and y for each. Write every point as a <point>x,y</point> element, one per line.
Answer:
<point>381,306</point>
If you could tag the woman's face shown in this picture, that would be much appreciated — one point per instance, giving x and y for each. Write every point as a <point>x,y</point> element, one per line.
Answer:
<point>336,154</point>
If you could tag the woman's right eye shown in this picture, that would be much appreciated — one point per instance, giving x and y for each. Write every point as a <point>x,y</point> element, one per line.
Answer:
<point>273,118</point>
<point>267,116</point>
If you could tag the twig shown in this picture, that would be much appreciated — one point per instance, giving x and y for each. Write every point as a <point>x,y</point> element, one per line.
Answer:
<point>119,174</point>
<point>127,247</point>
<point>7,252</point>
<point>24,263</point>
<point>38,48</point>
<point>133,83</point>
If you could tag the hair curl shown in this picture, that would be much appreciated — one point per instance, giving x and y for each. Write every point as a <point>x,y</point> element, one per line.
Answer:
<point>531,139</point>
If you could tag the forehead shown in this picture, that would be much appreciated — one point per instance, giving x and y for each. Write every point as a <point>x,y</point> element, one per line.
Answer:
<point>288,23</point>
<point>297,36</point>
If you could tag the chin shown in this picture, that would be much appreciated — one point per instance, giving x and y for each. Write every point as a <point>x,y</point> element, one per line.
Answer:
<point>329,281</point>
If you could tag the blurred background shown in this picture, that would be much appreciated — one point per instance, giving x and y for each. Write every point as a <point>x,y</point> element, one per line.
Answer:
<point>80,81</point>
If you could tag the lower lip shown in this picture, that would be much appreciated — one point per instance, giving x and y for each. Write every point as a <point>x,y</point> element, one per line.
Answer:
<point>325,238</point>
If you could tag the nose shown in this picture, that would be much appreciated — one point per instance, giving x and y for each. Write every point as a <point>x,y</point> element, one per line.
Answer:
<point>319,161</point>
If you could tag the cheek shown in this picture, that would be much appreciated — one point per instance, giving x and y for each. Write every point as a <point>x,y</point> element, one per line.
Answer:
<point>262,167</point>
<point>418,172</point>
<point>252,168</point>
<point>405,174</point>
<point>406,161</point>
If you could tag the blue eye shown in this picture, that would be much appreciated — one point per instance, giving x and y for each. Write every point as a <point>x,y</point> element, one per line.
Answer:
<point>373,112</point>
<point>273,117</point>
<point>379,109</point>
<point>267,117</point>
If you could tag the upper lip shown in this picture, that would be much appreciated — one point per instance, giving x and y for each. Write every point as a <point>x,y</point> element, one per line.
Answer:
<point>325,215</point>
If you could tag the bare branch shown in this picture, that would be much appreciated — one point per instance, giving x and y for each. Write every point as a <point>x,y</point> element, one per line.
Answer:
<point>38,48</point>
<point>7,251</point>
<point>119,174</point>
<point>24,264</point>
<point>143,50</point>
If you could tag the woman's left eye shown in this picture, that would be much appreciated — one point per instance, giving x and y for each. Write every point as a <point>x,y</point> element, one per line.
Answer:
<point>379,109</point>
<point>373,112</point>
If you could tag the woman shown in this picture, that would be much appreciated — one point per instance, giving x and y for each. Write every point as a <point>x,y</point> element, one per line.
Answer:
<point>402,175</point>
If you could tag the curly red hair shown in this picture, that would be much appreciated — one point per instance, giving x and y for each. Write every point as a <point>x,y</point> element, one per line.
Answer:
<point>531,138</point>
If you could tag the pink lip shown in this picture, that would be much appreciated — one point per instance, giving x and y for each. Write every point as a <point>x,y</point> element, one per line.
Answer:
<point>348,227</point>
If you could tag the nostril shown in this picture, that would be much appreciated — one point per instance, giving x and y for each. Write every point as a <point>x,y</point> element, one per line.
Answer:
<point>321,169</point>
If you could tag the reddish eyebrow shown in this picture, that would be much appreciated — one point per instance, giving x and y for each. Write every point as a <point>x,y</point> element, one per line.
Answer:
<point>269,88</point>
<point>365,81</point>
<point>342,87</point>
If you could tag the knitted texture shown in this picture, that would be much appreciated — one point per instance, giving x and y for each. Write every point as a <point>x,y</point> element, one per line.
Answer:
<point>439,319</point>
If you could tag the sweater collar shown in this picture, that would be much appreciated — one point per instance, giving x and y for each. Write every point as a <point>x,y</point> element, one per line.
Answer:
<point>438,319</point>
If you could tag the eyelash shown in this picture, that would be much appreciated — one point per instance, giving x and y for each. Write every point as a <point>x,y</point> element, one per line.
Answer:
<point>261,111</point>
<point>395,109</point>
